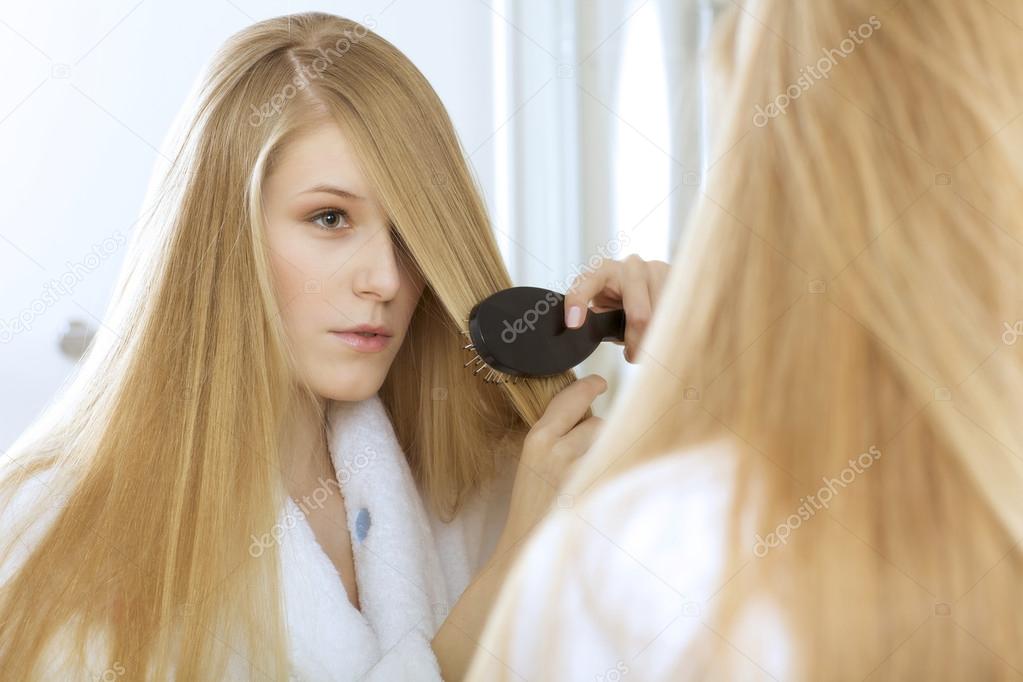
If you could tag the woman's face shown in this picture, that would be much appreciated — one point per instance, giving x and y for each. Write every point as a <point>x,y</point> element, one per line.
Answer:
<point>336,266</point>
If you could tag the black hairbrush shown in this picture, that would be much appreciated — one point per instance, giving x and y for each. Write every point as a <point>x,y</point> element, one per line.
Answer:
<point>521,332</point>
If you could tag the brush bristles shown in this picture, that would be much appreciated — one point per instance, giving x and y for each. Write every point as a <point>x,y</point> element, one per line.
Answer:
<point>492,376</point>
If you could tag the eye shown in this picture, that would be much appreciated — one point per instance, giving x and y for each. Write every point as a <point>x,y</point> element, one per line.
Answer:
<point>332,219</point>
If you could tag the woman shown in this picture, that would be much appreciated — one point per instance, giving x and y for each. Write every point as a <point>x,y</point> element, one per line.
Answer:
<point>817,473</point>
<point>275,464</point>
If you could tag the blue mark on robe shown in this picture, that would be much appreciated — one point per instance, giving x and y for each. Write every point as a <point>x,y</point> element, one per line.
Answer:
<point>362,524</point>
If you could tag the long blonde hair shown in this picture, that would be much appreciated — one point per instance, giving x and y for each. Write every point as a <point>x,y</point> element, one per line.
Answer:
<point>164,447</point>
<point>848,284</point>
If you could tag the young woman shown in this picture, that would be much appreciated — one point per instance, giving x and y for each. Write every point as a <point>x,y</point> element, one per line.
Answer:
<point>817,473</point>
<point>288,329</point>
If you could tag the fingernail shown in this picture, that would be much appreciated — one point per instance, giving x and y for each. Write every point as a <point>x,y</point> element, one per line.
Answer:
<point>575,314</point>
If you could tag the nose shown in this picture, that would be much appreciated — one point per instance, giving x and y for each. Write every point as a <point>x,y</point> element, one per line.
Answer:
<point>377,275</point>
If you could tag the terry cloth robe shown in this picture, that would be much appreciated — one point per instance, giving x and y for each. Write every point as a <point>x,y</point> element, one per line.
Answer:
<point>622,586</point>
<point>410,566</point>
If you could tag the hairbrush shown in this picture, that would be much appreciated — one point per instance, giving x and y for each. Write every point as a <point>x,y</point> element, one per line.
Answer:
<point>521,332</point>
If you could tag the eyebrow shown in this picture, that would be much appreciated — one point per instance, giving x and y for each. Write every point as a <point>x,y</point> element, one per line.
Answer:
<point>331,189</point>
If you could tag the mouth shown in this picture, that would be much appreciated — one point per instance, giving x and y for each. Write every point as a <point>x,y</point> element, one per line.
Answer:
<point>366,329</point>
<point>363,341</point>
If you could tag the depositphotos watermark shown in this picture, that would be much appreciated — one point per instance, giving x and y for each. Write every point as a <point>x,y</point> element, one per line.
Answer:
<point>63,286</point>
<point>810,75</point>
<point>111,673</point>
<point>527,321</point>
<point>1012,333</point>
<point>811,504</point>
<point>615,674</point>
<point>315,501</point>
<point>311,71</point>
<point>604,253</point>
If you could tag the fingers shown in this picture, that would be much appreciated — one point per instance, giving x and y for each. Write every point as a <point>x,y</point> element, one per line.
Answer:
<point>586,287</point>
<point>633,283</point>
<point>569,406</point>
<point>659,271</point>
<point>637,303</point>
<point>581,438</point>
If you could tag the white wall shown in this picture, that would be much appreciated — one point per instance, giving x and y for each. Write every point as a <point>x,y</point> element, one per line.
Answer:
<point>84,111</point>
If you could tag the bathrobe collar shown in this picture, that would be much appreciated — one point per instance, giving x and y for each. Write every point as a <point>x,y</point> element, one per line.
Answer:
<point>403,593</point>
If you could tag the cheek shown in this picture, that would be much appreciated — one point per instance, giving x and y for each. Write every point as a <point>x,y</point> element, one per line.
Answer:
<point>297,258</point>
<point>299,268</point>
<point>295,290</point>
<point>288,280</point>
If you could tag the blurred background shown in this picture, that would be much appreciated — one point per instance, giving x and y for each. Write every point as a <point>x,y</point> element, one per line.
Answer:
<point>582,119</point>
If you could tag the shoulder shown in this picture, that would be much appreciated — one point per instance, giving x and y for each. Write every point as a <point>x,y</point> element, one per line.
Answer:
<point>666,511</point>
<point>609,573</point>
<point>681,479</point>
<point>663,513</point>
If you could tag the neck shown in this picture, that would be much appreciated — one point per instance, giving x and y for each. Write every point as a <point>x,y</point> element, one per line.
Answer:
<point>304,454</point>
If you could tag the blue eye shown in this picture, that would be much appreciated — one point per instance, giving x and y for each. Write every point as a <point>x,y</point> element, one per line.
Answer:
<point>335,215</point>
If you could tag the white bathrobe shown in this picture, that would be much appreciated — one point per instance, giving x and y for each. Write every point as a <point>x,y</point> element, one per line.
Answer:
<point>622,585</point>
<point>410,566</point>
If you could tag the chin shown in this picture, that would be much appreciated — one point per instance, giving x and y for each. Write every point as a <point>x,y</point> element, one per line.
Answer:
<point>349,386</point>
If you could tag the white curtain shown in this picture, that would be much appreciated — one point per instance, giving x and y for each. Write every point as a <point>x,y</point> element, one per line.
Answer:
<point>564,62</point>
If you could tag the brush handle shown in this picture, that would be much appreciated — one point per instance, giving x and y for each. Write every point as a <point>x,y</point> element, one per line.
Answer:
<point>606,326</point>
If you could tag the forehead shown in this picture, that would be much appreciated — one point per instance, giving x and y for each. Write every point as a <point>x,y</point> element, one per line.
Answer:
<point>320,156</point>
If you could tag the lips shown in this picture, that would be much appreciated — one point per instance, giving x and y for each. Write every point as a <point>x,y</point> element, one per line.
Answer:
<point>364,338</point>
<point>364,330</point>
